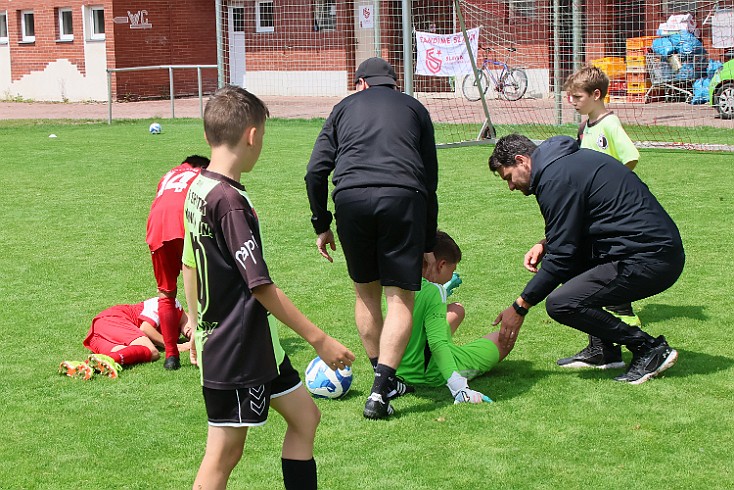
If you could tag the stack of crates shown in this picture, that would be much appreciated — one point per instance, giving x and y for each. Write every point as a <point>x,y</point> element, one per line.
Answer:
<point>637,78</point>
<point>614,68</point>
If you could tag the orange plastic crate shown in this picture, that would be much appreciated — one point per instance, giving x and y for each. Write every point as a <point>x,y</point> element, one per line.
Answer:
<point>640,42</point>
<point>638,87</point>
<point>637,77</point>
<point>636,98</point>
<point>614,67</point>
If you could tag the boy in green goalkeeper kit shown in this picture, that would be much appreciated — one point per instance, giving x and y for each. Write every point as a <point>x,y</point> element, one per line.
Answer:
<point>431,358</point>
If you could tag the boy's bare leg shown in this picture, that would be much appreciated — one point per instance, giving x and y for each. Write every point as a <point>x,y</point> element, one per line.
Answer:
<point>455,314</point>
<point>302,416</point>
<point>368,316</point>
<point>495,337</point>
<point>224,447</point>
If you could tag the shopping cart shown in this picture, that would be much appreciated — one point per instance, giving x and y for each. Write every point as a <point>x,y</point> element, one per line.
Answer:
<point>663,79</point>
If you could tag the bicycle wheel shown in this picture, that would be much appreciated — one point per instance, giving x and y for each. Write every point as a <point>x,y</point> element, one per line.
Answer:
<point>514,84</point>
<point>470,87</point>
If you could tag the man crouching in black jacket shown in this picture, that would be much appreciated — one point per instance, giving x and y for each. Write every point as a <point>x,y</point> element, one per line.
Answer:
<point>607,241</point>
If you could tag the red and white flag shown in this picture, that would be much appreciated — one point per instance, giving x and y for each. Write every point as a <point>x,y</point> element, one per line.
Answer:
<point>445,55</point>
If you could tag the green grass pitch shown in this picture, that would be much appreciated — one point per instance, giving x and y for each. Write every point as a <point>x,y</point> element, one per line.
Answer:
<point>73,242</point>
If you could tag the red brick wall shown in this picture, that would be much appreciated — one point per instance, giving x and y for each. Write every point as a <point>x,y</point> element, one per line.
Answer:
<point>35,56</point>
<point>181,33</point>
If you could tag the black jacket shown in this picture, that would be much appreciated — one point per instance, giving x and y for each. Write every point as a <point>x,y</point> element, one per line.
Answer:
<point>596,210</point>
<point>377,137</point>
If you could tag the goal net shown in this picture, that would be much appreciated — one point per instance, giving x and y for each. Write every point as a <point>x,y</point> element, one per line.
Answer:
<point>661,56</point>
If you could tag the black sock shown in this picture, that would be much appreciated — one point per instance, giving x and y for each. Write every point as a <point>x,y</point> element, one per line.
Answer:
<point>383,375</point>
<point>373,361</point>
<point>299,475</point>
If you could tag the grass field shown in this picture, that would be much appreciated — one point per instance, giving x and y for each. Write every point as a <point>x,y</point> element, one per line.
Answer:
<point>73,243</point>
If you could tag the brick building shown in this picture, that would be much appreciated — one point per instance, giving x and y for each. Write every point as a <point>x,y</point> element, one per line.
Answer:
<point>61,49</point>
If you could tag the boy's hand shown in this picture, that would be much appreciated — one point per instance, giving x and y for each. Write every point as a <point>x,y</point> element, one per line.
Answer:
<point>324,239</point>
<point>333,353</point>
<point>192,353</point>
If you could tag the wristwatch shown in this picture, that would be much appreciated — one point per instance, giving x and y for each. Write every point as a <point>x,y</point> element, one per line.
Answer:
<point>519,309</point>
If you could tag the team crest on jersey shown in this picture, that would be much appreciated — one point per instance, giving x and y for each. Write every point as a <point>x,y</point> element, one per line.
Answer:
<point>602,142</point>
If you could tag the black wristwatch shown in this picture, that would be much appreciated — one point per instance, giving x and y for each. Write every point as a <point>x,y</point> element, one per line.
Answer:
<point>519,309</point>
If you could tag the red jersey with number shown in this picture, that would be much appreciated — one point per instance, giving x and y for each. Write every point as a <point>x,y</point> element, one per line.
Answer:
<point>165,221</point>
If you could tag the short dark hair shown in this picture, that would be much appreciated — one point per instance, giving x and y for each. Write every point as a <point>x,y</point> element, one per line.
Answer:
<point>229,112</point>
<point>196,161</point>
<point>506,149</point>
<point>446,248</point>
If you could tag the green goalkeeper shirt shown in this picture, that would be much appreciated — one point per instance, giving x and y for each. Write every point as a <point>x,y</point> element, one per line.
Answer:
<point>429,340</point>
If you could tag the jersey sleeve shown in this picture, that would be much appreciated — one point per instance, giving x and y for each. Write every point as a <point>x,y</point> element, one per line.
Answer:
<point>438,332</point>
<point>623,145</point>
<point>188,258</point>
<point>245,248</point>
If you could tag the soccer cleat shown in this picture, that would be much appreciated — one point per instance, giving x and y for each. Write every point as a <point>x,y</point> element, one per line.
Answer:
<point>649,362</point>
<point>399,389</point>
<point>172,363</point>
<point>597,355</point>
<point>76,369</point>
<point>104,365</point>
<point>376,408</point>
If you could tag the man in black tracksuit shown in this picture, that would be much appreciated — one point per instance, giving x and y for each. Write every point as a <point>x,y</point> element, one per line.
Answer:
<point>607,241</point>
<point>380,145</point>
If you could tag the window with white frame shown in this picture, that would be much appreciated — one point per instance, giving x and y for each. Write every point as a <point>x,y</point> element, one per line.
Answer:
<point>264,16</point>
<point>27,26</point>
<point>523,8</point>
<point>324,15</point>
<point>66,29</point>
<point>4,27</point>
<point>680,6</point>
<point>95,22</point>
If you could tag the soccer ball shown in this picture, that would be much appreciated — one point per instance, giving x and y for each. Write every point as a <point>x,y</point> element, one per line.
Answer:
<point>154,128</point>
<point>324,382</point>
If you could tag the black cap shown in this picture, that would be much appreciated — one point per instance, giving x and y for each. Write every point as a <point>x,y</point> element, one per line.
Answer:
<point>376,71</point>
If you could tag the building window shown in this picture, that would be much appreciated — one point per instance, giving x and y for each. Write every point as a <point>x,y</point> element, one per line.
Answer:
<point>4,27</point>
<point>238,19</point>
<point>324,15</point>
<point>680,7</point>
<point>264,16</point>
<point>95,18</point>
<point>27,26</point>
<point>66,29</point>
<point>523,8</point>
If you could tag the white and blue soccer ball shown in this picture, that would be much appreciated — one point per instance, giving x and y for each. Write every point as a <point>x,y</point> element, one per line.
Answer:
<point>324,382</point>
<point>154,128</point>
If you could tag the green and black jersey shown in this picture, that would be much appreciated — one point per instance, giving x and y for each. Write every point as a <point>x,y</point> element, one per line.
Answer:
<point>236,346</point>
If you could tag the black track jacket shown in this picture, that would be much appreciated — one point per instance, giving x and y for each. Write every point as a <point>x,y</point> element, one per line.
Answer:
<point>596,210</point>
<point>377,137</point>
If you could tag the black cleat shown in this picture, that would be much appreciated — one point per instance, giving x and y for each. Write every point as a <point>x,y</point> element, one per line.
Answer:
<point>597,355</point>
<point>172,363</point>
<point>398,388</point>
<point>376,408</point>
<point>649,362</point>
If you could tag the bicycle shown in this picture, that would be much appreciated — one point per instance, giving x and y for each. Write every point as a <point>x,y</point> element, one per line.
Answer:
<point>511,83</point>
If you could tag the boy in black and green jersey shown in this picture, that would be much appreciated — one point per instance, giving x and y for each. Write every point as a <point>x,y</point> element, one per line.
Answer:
<point>431,357</point>
<point>244,370</point>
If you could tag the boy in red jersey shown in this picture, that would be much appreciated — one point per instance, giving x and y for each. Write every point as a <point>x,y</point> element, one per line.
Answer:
<point>123,335</point>
<point>165,239</point>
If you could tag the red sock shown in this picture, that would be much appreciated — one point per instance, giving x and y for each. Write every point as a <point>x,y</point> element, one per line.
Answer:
<point>169,325</point>
<point>133,354</point>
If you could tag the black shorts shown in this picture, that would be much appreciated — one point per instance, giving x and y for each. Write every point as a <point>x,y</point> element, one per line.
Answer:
<point>382,231</point>
<point>245,407</point>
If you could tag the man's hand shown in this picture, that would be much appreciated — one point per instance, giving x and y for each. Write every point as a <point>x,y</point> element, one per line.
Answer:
<point>324,239</point>
<point>534,256</point>
<point>333,353</point>
<point>510,326</point>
